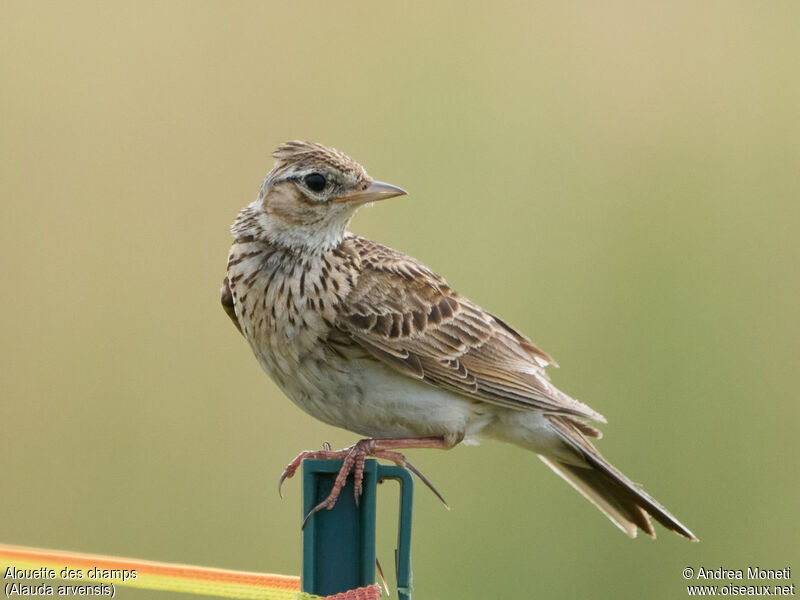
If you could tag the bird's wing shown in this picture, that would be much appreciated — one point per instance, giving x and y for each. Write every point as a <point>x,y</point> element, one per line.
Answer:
<point>407,316</point>
<point>226,298</point>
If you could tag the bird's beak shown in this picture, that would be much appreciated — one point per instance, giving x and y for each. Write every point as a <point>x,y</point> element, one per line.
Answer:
<point>376,191</point>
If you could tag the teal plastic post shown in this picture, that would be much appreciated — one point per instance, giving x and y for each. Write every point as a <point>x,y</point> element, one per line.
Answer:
<point>402,554</point>
<point>339,544</point>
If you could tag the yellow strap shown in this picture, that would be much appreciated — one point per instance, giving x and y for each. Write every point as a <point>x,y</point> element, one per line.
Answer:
<point>34,567</point>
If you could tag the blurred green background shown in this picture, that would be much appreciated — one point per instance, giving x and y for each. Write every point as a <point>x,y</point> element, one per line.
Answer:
<point>617,180</point>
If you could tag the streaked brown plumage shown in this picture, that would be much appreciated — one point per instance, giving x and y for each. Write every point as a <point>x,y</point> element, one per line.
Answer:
<point>367,339</point>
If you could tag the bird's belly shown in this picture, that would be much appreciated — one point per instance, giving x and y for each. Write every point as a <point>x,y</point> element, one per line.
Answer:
<point>366,397</point>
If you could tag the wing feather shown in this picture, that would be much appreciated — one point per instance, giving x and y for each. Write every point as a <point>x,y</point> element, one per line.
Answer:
<point>226,298</point>
<point>405,315</point>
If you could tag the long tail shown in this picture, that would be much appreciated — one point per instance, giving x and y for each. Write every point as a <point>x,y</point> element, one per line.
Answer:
<point>608,489</point>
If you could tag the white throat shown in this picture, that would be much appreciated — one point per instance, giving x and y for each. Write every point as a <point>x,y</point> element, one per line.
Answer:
<point>323,235</point>
<point>320,236</point>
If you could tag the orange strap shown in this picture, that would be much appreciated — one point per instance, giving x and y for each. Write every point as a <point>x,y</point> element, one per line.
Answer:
<point>32,567</point>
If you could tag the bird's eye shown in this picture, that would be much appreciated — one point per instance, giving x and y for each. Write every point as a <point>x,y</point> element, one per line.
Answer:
<point>315,182</point>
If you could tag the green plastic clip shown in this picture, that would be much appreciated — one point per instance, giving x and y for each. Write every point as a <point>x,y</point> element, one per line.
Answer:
<point>339,544</point>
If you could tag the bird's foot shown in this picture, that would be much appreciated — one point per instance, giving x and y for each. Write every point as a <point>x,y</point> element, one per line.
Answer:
<point>353,459</point>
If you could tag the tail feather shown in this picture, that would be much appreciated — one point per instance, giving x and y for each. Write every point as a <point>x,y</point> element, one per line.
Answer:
<point>595,487</point>
<point>608,489</point>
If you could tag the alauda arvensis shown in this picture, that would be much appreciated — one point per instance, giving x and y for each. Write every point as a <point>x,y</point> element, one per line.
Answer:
<point>368,339</point>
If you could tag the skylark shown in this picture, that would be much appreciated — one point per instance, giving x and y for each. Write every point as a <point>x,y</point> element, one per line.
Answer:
<point>368,339</point>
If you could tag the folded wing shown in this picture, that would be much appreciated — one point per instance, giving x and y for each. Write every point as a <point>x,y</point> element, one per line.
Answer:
<point>405,315</point>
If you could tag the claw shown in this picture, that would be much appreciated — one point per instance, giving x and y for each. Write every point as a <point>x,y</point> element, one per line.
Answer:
<point>284,476</point>
<point>401,461</point>
<point>425,480</point>
<point>327,503</point>
<point>292,467</point>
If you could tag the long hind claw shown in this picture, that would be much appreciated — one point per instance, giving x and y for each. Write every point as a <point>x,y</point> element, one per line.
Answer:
<point>401,461</point>
<point>427,483</point>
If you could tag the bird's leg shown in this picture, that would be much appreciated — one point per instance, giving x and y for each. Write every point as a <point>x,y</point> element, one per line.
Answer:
<point>353,459</point>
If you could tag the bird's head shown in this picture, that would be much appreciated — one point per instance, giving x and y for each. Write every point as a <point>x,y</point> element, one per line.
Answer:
<point>309,197</point>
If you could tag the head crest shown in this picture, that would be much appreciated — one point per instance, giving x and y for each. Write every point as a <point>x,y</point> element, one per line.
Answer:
<point>310,152</point>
